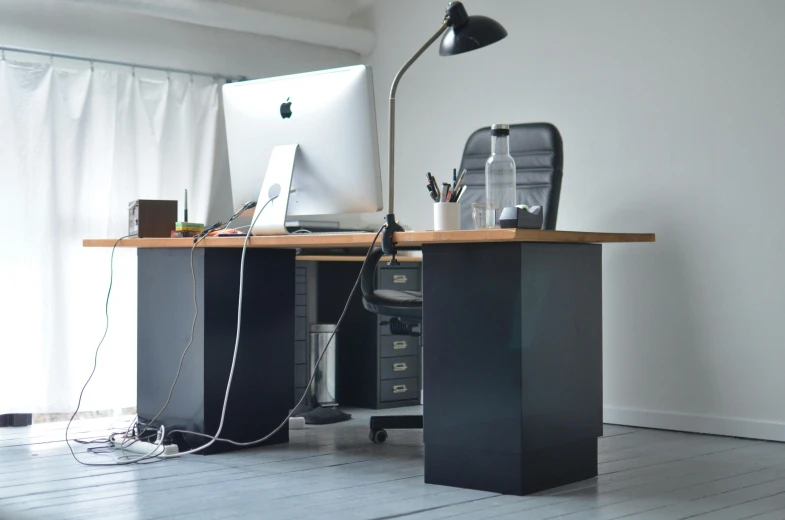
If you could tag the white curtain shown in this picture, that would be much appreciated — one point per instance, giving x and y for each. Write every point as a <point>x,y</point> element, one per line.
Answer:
<point>76,146</point>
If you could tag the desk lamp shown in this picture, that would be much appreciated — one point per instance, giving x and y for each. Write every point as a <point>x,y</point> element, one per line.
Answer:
<point>462,33</point>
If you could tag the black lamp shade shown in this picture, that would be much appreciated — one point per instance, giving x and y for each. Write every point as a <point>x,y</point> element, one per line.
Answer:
<point>474,33</point>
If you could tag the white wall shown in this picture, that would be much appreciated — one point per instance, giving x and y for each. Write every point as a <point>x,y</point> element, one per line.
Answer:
<point>66,28</point>
<point>673,119</point>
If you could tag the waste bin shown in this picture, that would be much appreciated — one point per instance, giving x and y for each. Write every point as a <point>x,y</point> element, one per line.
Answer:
<point>322,390</point>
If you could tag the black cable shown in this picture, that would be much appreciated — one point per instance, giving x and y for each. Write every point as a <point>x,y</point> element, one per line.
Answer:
<point>316,365</point>
<point>95,357</point>
<point>223,225</point>
<point>95,364</point>
<point>190,342</point>
<point>246,206</point>
<point>97,441</point>
<point>140,437</point>
<point>137,438</point>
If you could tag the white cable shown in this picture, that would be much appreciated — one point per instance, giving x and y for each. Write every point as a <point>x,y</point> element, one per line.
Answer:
<point>236,343</point>
<point>156,447</point>
<point>162,436</point>
<point>127,441</point>
<point>95,365</point>
<point>216,437</point>
<point>187,347</point>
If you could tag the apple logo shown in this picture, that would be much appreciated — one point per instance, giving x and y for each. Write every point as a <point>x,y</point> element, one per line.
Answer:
<point>286,109</point>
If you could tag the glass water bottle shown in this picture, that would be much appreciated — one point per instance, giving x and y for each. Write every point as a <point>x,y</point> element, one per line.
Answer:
<point>499,176</point>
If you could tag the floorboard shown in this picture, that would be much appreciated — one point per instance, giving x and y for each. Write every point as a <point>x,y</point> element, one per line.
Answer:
<point>335,472</point>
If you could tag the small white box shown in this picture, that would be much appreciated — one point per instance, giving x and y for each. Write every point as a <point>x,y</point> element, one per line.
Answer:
<point>296,423</point>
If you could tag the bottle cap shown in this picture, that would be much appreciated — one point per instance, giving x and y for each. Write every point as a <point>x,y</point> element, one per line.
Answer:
<point>500,130</point>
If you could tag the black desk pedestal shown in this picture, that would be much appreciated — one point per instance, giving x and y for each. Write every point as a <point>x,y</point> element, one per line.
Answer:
<point>513,364</point>
<point>263,383</point>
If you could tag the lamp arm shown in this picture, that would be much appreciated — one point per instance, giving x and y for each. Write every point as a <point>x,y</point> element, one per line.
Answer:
<point>393,89</point>
<point>417,54</point>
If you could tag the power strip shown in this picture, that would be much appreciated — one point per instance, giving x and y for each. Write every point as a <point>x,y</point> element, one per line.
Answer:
<point>146,448</point>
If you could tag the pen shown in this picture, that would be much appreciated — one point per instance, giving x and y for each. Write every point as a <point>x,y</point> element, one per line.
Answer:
<point>454,178</point>
<point>435,186</point>
<point>445,191</point>
<point>432,193</point>
<point>460,179</point>
<point>460,194</point>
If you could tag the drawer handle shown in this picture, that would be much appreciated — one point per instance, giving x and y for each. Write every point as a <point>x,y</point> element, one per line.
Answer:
<point>400,345</point>
<point>399,389</point>
<point>400,278</point>
<point>399,367</point>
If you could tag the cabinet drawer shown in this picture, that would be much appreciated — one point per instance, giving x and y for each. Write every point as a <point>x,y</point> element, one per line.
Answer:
<point>300,375</point>
<point>399,279</point>
<point>399,389</point>
<point>300,329</point>
<point>384,328</point>
<point>400,367</point>
<point>300,352</point>
<point>399,346</point>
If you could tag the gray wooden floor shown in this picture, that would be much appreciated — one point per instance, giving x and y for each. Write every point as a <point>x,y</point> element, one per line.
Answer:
<point>331,472</point>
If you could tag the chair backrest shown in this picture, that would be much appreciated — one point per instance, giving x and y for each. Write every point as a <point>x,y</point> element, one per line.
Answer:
<point>539,159</point>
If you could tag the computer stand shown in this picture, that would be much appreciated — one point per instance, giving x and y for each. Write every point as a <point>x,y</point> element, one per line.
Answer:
<point>277,183</point>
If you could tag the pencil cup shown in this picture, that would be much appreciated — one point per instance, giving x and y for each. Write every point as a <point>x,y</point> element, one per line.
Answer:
<point>446,216</point>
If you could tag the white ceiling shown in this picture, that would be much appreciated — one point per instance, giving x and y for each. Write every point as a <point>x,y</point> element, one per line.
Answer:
<point>342,12</point>
<point>331,23</point>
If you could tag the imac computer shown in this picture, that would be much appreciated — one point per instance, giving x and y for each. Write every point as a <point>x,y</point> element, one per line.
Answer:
<point>310,135</point>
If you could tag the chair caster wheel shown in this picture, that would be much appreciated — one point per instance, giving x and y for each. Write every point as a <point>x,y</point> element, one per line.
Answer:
<point>378,436</point>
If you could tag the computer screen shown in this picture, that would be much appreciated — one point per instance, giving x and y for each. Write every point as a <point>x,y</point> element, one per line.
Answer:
<point>331,115</point>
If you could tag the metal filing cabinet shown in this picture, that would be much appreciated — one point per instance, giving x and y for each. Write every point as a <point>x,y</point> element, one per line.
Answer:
<point>374,369</point>
<point>300,331</point>
<point>399,355</point>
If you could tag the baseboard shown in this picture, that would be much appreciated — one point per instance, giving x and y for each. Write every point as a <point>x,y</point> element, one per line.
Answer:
<point>696,423</point>
<point>16,419</point>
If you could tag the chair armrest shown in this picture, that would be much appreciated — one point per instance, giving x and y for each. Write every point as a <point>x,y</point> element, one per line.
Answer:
<point>369,271</point>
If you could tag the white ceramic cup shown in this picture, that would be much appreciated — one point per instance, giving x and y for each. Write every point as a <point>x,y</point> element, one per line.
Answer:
<point>446,216</point>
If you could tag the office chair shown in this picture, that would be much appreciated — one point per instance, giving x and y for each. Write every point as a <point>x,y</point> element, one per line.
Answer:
<point>404,309</point>
<point>538,154</point>
<point>539,159</point>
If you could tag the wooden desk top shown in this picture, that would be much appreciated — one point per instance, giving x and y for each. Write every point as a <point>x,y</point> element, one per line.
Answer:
<point>405,239</point>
